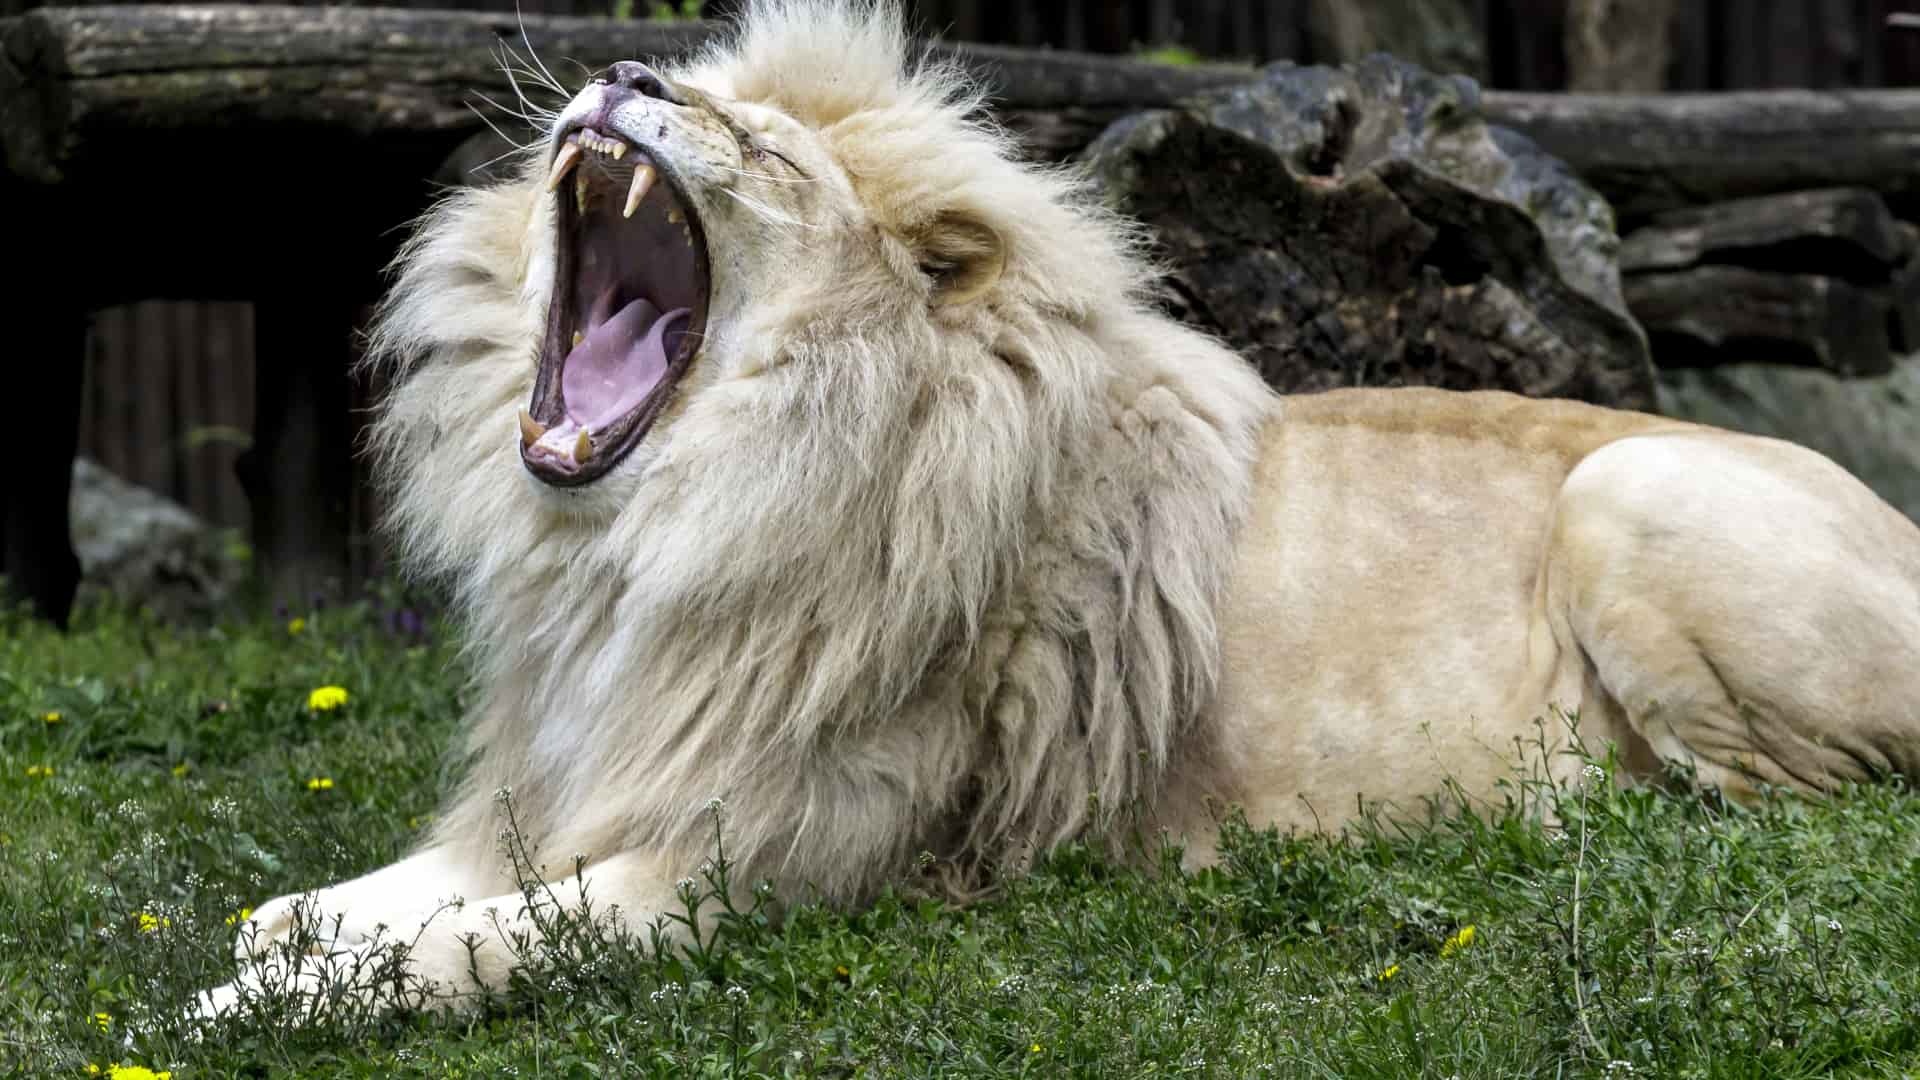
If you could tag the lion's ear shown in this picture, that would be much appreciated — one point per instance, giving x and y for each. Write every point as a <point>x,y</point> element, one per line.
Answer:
<point>962,255</point>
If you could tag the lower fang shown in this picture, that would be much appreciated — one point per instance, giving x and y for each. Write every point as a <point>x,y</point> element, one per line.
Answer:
<point>580,193</point>
<point>582,449</point>
<point>578,337</point>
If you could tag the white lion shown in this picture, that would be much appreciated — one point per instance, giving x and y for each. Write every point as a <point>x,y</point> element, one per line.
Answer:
<point>790,442</point>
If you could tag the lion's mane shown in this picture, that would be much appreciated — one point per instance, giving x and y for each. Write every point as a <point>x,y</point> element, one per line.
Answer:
<point>933,579</point>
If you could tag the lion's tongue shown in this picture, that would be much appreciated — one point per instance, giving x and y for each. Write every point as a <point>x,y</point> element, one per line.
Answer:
<point>618,363</point>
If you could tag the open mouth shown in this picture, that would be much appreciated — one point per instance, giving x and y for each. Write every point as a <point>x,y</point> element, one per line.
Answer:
<point>629,308</point>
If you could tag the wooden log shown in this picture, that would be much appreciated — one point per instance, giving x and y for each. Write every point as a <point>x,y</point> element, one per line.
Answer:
<point>1842,232</point>
<point>1711,315</point>
<point>78,80</point>
<point>80,85</point>
<point>1654,152</point>
<point>1425,251</point>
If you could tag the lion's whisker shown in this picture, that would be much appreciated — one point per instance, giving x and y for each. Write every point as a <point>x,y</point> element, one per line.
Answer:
<point>765,212</point>
<point>497,158</point>
<point>769,178</point>
<point>532,53</point>
<point>533,122</point>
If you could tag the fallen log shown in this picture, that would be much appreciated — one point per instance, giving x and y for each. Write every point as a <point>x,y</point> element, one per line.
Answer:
<point>1362,226</point>
<point>76,82</point>
<point>1813,277</point>
<point>78,85</point>
<point>1844,232</point>
<point>1654,152</point>
<point>1712,315</point>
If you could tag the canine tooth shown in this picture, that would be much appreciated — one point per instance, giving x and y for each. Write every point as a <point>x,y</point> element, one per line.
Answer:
<point>580,193</point>
<point>673,216</point>
<point>582,448</point>
<point>530,429</point>
<point>578,337</point>
<point>619,150</point>
<point>642,183</point>
<point>569,154</point>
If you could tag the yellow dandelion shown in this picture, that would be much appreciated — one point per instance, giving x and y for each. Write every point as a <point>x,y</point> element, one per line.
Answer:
<point>52,717</point>
<point>240,916</point>
<point>841,970</point>
<point>92,1069</point>
<point>136,1072</point>
<point>149,923</point>
<point>181,770</point>
<point>327,697</point>
<point>39,772</point>
<point>320,783</point>
<point>296,626</point>
<point>1461,940</point>
<point>1391,971</point>
<point>102,1020</point>
<point>1034,1049</point>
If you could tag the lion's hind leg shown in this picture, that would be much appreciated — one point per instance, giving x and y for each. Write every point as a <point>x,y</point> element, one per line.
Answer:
<point>1748,607</point>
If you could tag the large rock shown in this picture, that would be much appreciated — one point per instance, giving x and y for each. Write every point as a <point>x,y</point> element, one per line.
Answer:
<point>1364,225</point>
<point>147,550</point>
<point>1870,425</point>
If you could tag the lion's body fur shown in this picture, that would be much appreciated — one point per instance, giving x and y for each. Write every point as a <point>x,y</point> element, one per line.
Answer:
<point>951,543</point>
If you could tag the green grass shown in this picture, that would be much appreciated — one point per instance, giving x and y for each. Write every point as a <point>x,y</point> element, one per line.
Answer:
<point>1653,935</point>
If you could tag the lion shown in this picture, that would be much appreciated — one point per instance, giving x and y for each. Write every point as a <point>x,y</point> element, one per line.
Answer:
<point>788,442</point>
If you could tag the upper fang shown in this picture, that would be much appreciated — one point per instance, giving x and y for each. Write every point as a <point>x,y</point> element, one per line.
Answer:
<point>569,154</point>
<point>642,181</point>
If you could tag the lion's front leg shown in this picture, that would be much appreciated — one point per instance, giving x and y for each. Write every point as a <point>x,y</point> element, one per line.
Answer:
<point>387,902</point>
<point>445,952</point>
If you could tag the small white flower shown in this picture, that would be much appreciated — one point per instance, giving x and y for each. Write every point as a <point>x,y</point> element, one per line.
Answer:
<point>502,794</point>
<point>1595,774</point>
<point>716,805</point>
<point>737,994</point>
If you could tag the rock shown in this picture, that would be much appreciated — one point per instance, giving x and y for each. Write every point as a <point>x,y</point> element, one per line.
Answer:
<point>147,550</point>
<point>1363,225</point>
<point>1869,425</point>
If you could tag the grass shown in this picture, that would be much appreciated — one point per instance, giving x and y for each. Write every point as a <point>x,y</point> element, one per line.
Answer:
<point>1652,935</point>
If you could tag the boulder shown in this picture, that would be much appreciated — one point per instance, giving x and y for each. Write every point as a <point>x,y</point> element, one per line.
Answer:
<point>147,550</point>
<point>1363,225</point>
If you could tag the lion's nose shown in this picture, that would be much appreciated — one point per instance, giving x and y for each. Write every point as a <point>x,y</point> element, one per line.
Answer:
<point>631,75</point>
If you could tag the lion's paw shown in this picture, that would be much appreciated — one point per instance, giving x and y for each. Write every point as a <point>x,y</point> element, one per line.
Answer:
<point>303,987</point>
